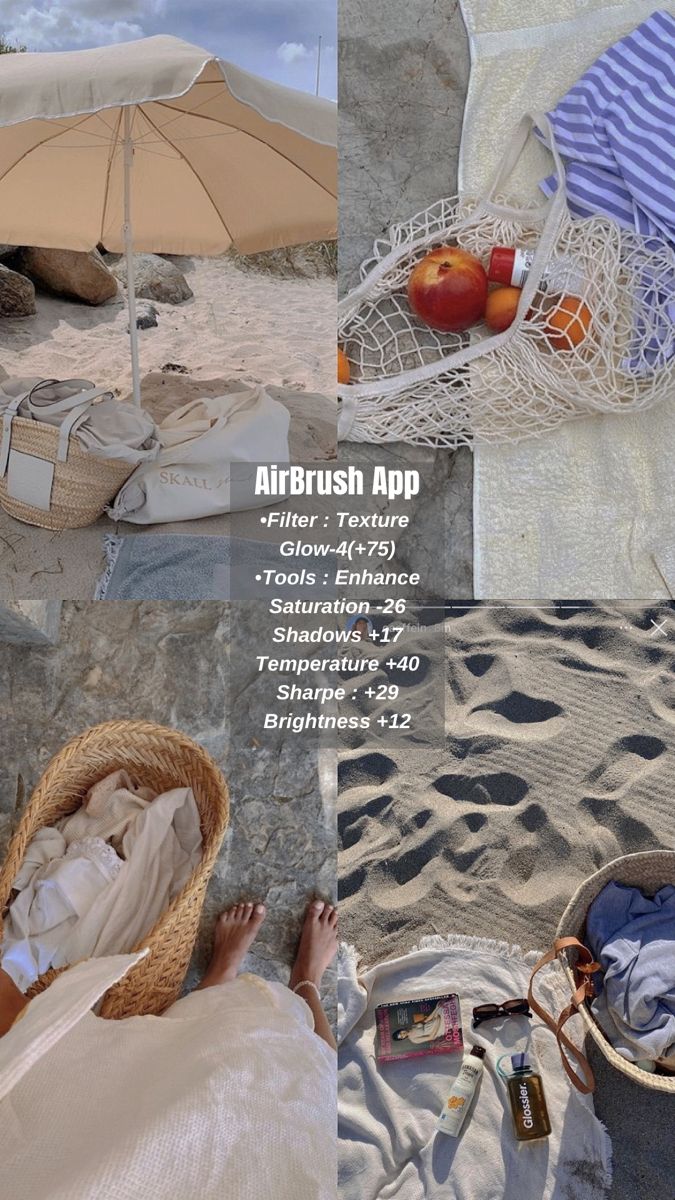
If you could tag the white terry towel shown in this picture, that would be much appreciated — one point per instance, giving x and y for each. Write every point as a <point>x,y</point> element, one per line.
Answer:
<point>230,1095</point>
<point>587,510</point>
<point>387,1115</point>
<point>97,882</point>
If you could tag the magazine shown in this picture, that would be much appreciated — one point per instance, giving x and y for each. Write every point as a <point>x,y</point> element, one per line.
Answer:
<point>411,1028</point>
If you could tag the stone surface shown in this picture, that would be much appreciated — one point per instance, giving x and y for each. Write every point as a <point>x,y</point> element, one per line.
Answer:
<point>154,278</point>
<point>399,136</point>
<point>73,273</point>
<point>313,260</point>
<point>34,622</point>
<point>147,316</point>
<point>172,663</point>
<point>5,251</point>
<point>17,294</point>
<point>438,540</point>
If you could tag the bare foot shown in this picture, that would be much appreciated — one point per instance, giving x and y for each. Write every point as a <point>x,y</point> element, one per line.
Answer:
<point>318,944</point>
<point>235,930</point>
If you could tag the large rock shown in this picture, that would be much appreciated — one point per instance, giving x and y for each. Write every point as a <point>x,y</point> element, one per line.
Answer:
<point>5,251</point>
<point>313,260</point>
<point>155,278</point>
<point>17,294</point>
<point>78,274</point>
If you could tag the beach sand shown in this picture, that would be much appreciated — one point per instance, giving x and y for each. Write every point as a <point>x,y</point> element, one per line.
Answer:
<point>240,325</point>
<point>559,756</point>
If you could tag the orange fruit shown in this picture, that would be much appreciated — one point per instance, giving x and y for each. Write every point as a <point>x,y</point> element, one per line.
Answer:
<point>343,371</point>
<point>501,308</point>
<point>568,324</point>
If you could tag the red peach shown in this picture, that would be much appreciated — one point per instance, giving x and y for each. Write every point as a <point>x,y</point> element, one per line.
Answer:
<point>448,289</point>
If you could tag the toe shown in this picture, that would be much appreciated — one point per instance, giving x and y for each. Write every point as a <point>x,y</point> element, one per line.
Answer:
<point>259,910</point>
<point>248,911</point>
<point>316,908</point>
<point>333,916</point>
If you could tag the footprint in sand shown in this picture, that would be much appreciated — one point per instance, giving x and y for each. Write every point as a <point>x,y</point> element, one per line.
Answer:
<point>353,823</point>
<point>482,685</point>
<point>498,788</point>
<point>518,715</point>
<point>627,760</point>
<point>368,770</point>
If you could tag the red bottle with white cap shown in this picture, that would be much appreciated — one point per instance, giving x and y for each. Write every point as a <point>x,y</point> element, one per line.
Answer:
<point>511,266</point>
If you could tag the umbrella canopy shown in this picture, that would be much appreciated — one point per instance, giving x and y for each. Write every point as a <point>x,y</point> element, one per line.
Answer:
<point>220,157</point>
<point>159,146</point>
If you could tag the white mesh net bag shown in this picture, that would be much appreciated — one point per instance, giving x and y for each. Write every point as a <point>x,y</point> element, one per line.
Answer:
<point>594,330</point>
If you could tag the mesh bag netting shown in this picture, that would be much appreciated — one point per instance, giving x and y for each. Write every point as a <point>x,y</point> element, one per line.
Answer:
<point>603,344</point>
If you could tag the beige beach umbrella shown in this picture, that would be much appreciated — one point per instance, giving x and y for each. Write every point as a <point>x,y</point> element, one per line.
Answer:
<point>158,146</point>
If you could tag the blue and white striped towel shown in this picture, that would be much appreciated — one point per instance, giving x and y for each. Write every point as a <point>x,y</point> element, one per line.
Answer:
<point>616,128</point>
<point>616,131</point>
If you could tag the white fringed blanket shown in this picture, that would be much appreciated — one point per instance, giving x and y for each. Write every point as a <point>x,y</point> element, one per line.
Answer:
<point>387,1116</point>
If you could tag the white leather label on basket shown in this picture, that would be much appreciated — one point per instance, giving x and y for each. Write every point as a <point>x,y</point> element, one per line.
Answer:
<point>30,479</point>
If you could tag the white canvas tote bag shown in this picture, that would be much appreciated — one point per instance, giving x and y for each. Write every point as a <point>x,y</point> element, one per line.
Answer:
<point>191,477</point>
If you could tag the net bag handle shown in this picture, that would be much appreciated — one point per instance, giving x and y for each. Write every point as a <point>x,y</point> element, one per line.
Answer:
<point>529,123</point>
<point>585,1082</point>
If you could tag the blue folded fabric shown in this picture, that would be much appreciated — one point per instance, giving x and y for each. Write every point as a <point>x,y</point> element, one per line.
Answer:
<point>616,130</point>
<point>633,937</point>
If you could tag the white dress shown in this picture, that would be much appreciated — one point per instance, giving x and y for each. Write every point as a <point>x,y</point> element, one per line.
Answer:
<point>229,1095</point>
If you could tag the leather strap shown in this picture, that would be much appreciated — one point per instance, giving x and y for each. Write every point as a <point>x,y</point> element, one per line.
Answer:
<point>74,408</point>
<point>70,423</point>
<point>584,968</point>
<point>82,390</point>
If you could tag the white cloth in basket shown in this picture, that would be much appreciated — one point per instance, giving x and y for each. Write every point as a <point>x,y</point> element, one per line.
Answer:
<point>229,1094</point>
<point>110,428</point>
<point>193,475</point>
<point>98,882</point>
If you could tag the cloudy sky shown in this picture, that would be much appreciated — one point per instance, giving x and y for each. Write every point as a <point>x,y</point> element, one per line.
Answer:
<point>275,38</point>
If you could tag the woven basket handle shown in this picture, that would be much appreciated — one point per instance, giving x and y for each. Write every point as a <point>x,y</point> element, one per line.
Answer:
<point>586,1081</point>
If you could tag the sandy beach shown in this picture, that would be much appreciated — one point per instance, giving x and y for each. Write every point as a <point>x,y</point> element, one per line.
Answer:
<point>559,754</point>
<point>240,325</point>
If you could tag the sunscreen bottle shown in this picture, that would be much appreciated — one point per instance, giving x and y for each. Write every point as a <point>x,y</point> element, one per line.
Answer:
<point>456,1107</point>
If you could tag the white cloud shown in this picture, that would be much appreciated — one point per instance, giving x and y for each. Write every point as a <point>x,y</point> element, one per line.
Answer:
<point>58,27</point>
<point>290,52</point>
<point>70,24</point>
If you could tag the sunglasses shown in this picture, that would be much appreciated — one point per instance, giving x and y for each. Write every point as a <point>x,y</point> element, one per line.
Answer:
<point>509,1008</point>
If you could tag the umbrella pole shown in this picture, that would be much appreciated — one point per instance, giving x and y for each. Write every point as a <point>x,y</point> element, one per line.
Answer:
<point>129,252</point>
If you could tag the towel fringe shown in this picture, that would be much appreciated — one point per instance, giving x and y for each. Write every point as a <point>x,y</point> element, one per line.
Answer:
<point>112,544</point>
<point>462,941</point>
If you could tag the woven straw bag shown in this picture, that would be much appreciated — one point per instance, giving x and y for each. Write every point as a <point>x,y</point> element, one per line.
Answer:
<point>162,759</point>
<point>411,383</point>
<point>649,871</point>
<point>75,486</point>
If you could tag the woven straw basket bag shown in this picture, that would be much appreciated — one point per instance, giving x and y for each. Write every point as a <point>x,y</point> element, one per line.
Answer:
<point>74,486</point>
<point>649,871</point>
<point>159,758</point>
<point>612,351</point>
